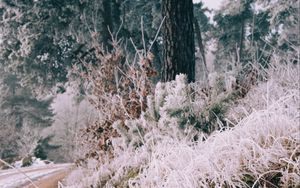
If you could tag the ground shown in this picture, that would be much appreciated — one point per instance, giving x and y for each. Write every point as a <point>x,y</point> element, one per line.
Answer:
<point>46,176</point>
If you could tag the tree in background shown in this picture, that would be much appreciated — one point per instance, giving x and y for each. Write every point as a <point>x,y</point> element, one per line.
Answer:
<point>252,30</point>
<point>42,40</point>
<point>202,34</point>
<point>35,42</point>
<point>70,118</point>
<point>284,24</point>
<point>232,20</point>
<point>7,138</point>
<point>23,113</point>
<point>178,39</point>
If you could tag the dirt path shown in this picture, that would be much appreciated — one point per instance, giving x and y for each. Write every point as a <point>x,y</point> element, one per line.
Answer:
<point>50,181</point>
<point>44,176</point>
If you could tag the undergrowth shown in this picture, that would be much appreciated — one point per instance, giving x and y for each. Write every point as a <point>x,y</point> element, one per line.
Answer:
<point>169,144</point>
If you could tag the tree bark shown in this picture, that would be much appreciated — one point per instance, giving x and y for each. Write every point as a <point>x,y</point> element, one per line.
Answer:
<point>106,24</point>
<point>200,42</point>
<point>242,41</point>
<point>116,14</point>
<point>178,39</point>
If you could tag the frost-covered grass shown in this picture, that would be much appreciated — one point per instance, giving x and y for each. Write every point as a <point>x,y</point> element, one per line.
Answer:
<point>261,150</point>
<point>282,80</point>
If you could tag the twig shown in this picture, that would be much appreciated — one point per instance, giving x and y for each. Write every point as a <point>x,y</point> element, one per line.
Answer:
<point>59,185</point>
<point>137,51</point>
<point>156,34</point>
<point>119,28</point>
<point>143,37</point>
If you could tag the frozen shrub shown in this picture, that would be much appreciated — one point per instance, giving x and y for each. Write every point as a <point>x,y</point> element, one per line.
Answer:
<point>27,140</point>
<point>118,89</point>
<point>27,161</point>
<point>169,113</point>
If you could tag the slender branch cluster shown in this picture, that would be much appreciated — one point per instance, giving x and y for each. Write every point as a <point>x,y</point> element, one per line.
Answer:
<point>118,90</point>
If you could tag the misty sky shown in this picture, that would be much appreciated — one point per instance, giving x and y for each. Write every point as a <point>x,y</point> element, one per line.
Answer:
<point>211,4</point>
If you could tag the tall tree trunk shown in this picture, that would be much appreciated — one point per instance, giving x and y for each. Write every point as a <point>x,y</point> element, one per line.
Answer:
<point>242,41</point>
<point>178,37</point>
<point>116,14</point>
<point>157,58</point>
<point>200,42</point>
<point>106,24</point>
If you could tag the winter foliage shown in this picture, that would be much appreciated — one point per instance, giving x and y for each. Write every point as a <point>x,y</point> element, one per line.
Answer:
<point>262,149</point>
<point>99,84</point>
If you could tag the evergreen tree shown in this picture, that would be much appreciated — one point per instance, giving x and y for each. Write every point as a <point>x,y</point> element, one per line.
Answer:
<point>32,42</point>
<point>42,40</point>
<point>284,23</point>
<point>232,20</point>
<point>247,33</point>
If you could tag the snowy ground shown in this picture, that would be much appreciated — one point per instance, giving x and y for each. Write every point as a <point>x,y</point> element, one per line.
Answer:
<point>13,178</point>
